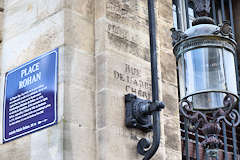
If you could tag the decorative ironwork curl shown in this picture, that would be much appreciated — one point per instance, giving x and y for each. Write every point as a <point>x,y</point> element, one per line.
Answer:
<point>143,145</point>
<point>232,119</point>
<point>231,116</point>
<point>195,117</point>
<point>209,122</point>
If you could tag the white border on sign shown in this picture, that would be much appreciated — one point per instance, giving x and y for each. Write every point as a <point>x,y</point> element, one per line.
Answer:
<point>56,51</point>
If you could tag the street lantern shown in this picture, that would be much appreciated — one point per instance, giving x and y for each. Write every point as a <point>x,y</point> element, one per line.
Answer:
<point>205,58</point>
<point>205,55</point>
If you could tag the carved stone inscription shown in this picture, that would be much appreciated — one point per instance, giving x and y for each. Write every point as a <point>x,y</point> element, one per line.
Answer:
<point>128,12</point>
<point>123,40</point>
<point>128,30</point>
<point>134,82</point>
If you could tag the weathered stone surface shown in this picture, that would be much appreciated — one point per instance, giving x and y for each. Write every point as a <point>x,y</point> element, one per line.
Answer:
<point>168,67</point>
<point>116,143</point>
<point>78,32</point>
<point>47,144</point>
<point>44,37</point>
<point>172,133</point>
<point>170,98</point>
<point>1,24</point>
<point>46,8</point>
<point>121,39</point>
<point>2,3</point>
<point>130,13</point>
<point>2,83</point>
<point>173,155</point>
<point>100,9</point>
<point>164,10</point>
<point>120,143</point>
<point>79,106</point>
<point>125,74</point>
<point>165,34</point>
<point>79,68</point>
<point>19,149</point>
<point>85,8</point>
<point>79,142</point>
<point>24,14</point>
<point>110,109</point>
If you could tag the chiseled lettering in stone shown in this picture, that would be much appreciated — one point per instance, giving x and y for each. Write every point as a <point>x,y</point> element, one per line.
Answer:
<point>132,70</point>
<point>131,77</point>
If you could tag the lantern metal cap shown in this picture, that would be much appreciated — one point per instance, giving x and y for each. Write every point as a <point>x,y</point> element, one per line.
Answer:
<point>214,35</point>
<point>202,29</point>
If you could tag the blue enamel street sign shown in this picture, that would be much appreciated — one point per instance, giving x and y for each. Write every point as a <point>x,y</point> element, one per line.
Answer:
<point>30,100</point>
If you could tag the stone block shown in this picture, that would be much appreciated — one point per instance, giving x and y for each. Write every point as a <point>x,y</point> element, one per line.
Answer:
<point>115,143</point>
<point>79,68</point>
<point>100,36</point>
<point>2,3</point>
<point>2,83</point>
<point>78,32</point>
<point>170,98</point>
<point>168,67</point>
<point>85,8</point>
<point>110,109</point>
<point>125,74</point>
<point>132,14</point>
<point>172,133</point>
<point>112,139</point>
<point>1,24</point>
<point>173,155</point>
<point>79,142</point>
<point>165,34</point>
<point>41,38</point>
<point>100,9</point>
<point>19,149</point>
<point>9,3</point>
<point>79,88</point>
<point>46,8</point>
<point>79,105</point>
<point>164,10</point>
<point>47,144</point>
<point>24,14</point>
<point>111,36</point>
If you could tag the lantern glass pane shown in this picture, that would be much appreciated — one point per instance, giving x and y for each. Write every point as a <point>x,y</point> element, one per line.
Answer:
<point>208,101</point>
<point>204,70</point>
<point>181,77</point>
<point>205,74</point>
<point>230,71</point>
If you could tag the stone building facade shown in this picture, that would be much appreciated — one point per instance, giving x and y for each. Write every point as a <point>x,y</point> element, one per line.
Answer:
<point>103,55</point>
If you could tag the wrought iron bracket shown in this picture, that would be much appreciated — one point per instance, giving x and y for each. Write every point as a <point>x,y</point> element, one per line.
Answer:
<point>209,122</point>
<point>139,111</point>
<point>139,115</point>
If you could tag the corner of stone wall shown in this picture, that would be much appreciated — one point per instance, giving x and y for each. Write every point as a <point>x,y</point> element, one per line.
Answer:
<point>122,66</point>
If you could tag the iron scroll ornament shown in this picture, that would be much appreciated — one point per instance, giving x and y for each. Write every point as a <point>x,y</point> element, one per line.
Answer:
<point>209,122</point>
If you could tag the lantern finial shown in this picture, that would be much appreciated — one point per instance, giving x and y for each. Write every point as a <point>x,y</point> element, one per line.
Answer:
<point>202,9</point>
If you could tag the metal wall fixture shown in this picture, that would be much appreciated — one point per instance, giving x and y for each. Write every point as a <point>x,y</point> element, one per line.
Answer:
<point>207,76</point>
<point>144,114</point>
